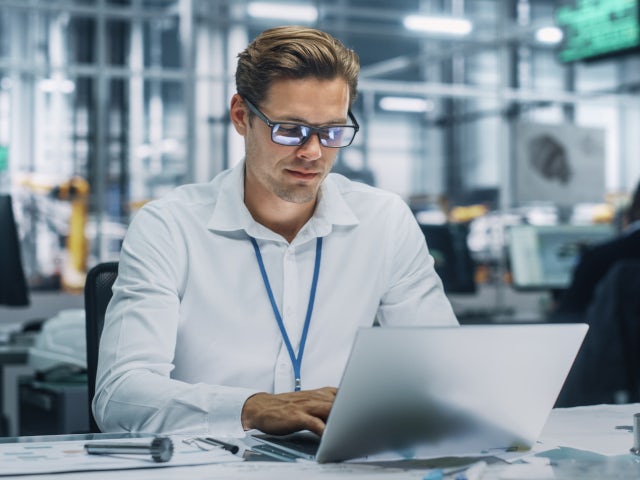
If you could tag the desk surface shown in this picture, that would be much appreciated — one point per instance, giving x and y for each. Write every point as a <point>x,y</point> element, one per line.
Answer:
<point>577,443</point>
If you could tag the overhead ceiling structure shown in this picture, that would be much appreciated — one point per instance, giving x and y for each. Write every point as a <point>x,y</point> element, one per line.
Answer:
<point>399,42</point>
<point>394,39</point>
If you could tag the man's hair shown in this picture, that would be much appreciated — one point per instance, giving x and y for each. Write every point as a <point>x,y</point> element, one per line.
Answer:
<point>633,212</point>
<point>294,52</point>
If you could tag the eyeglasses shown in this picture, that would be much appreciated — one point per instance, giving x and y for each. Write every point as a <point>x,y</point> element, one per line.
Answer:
<point>296,134</point>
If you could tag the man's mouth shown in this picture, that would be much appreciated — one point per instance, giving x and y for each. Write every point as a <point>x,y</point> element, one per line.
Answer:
<point>302,175</point>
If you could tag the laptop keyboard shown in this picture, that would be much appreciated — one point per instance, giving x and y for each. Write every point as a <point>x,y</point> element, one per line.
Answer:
<point>287,445</point>
<point>274,452</point>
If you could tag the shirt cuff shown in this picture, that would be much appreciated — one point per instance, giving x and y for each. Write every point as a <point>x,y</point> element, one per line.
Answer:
<point>226,411</point>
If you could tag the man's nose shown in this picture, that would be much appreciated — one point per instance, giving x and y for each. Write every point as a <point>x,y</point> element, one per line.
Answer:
<point>311,149</point>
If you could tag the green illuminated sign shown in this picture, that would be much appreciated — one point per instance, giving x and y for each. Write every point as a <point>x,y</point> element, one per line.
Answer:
<point>4,158</point>
<point>594,28</point>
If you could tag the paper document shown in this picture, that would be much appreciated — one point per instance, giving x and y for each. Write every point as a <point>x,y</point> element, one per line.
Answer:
<point>70,456</point>
<point>602,429</point>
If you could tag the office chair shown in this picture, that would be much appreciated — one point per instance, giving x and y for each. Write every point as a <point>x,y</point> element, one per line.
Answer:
<point>97,293</point>
<point>606,368</point>
<point>14,290</point>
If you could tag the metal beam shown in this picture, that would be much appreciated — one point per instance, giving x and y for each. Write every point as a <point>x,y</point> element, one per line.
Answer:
<point>434,89</point>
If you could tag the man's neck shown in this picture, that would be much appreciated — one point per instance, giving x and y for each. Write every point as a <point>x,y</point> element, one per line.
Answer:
<point>283,218</point>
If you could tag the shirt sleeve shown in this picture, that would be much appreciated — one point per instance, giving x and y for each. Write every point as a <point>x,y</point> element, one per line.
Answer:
<point>134,390</point>
<point>414,294</point>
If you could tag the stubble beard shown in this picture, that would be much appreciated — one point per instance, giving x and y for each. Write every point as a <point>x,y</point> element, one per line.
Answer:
<point>294,193</point>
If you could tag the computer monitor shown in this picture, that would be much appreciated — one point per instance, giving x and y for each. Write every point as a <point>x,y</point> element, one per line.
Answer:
<point>597,29</point>
<point>448,246</point>
<point>544,257</point>
<point>13,284</point>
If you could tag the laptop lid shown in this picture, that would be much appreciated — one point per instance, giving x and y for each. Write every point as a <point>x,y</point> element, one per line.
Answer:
<point>442,391</point>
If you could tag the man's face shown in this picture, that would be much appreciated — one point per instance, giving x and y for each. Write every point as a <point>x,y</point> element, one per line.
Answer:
<point>293,174</point>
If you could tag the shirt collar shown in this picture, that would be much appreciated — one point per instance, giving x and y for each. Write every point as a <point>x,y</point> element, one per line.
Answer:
<point>229,211</point>
<point>231,214</point>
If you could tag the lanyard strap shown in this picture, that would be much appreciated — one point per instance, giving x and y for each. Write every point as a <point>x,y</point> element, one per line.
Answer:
<point>296,362</point>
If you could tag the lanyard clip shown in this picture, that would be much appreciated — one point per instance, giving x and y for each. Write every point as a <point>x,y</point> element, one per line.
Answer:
<point>298,385</point>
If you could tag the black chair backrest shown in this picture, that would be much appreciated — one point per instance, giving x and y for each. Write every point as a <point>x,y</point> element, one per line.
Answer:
<point>14,290</point>
<point>97,293</point>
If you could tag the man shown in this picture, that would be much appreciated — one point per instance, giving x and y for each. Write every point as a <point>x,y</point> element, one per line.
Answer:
<point>597,261</point>
<point>237,301</point>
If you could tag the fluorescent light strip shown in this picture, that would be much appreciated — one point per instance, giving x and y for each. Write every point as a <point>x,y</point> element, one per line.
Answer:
<point>550,35</point>
<point>283,11</point>
<point>446,25</point>
<point>405,104</point>
<point>56,85</point>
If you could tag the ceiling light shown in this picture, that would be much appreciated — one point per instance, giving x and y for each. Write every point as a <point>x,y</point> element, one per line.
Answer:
<point>447,25</point>
<point>405,104</point>
<point>56,85</point>
<point>283,11</point>
<point>549,35</point>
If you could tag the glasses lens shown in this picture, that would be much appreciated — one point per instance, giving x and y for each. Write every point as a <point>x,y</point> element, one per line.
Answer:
<point>292,135</point>
<point>337,137</point>
<point>289,134</point>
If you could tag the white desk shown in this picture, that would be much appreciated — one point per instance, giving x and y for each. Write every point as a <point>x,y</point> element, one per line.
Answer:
<point>569,431</point>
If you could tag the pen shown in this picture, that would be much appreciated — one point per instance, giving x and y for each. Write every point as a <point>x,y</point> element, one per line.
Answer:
<point>227,446</point>
<point>160,448</point>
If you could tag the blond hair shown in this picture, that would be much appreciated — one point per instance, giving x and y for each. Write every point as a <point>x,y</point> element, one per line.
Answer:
<point>294,52</point>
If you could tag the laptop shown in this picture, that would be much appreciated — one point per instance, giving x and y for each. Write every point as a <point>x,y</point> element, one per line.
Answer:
<point>428,392</point>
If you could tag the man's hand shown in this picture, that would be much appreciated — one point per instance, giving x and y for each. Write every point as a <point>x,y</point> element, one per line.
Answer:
<point>289,412</point>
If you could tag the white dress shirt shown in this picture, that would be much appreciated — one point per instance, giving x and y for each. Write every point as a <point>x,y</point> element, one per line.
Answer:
<point>190,333</point>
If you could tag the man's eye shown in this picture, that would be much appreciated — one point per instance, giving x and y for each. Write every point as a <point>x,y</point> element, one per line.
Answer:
<point>291,130</point>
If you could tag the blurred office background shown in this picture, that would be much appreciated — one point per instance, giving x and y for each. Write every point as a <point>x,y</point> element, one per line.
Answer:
<point>484,115</point>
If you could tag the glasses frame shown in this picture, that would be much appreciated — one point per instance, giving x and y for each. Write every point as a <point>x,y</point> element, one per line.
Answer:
<point>312,130</point>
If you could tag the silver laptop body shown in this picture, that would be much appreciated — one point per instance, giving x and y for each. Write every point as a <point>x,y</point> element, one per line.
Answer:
<point>441,391</point>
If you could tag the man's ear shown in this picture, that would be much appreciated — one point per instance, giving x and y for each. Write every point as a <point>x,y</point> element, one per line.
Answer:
<point>238,114</point>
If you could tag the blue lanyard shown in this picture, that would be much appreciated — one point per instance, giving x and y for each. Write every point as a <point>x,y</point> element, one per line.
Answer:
<point>295,361</point>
